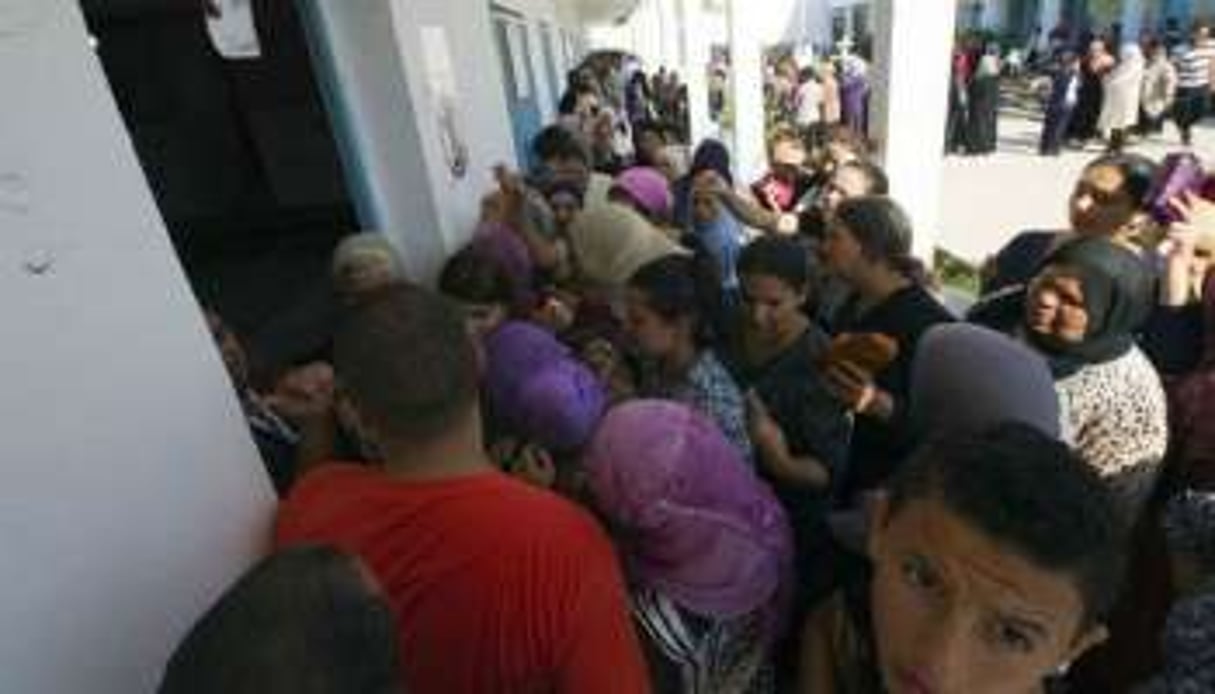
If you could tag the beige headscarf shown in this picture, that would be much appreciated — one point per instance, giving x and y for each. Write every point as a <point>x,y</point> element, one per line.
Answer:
<point>610,242</point>
<point>365,261</point>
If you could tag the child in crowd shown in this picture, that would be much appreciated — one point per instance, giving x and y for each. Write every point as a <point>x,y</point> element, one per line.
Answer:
<point>996,558</point>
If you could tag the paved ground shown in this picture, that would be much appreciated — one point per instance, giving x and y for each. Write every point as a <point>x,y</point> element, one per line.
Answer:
<point>987,200</point>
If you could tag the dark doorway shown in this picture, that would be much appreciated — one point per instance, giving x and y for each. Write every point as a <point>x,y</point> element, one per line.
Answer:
<point>238,153</point>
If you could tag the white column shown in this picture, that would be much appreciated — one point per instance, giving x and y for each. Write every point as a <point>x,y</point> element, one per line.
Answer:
<point>668,14</point>
<point>1132,19</point>
<point>747,90</point>
<point>1049,12</point>
<point>694,61</point>
<point>910,99</point>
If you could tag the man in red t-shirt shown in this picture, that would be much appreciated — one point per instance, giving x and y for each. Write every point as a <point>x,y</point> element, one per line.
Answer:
<point>496,586</point>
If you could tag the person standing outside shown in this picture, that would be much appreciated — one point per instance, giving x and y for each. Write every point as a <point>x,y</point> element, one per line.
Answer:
<point>1064,95</point>
<point>1159,89</point>
<point>1194,65</point>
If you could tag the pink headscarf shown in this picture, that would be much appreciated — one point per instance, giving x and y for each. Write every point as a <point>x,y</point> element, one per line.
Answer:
<point>538,391</point>
<point>503,247</point>
<point>649,188</point>
<point>699,526</point>
<point>558,407</point>
<point>514,351</point>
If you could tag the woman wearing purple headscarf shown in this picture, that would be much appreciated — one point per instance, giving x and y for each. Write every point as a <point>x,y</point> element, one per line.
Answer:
<point>542,404</point>
<point>706,546</point>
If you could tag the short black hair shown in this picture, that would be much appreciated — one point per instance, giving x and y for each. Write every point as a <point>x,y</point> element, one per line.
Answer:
<point>473,277</point>
<point>779,257</point>
<point>1138,174</point>
<point>683,286</point>
<point>558,142</point>
<point>407,363</point>
<point>302,621</point>
<point>876,178</point>
<point>1031,493</point>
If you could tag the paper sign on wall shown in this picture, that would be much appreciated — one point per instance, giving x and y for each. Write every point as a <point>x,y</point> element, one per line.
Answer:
<point>232,29</point>
<point>445,98</point>
<point>516,43</point>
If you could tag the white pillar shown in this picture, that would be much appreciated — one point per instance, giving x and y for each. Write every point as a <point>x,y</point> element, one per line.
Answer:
<point>1132,20</point>
<point>747,90</point>
<point>668,15</point>
<point>695,61</point>
<point>910,100</point>
<point>1049,13</point>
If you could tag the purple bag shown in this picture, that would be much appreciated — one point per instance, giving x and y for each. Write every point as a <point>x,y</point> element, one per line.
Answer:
<point>1181,172</point>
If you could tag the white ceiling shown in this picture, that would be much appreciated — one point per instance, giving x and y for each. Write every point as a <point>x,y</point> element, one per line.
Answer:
<point>602,11</point>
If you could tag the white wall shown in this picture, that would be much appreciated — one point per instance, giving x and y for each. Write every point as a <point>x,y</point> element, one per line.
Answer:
<point>909,106</point>
<point>132,493</point>
<point>483,110</point>
<point>371,60</point>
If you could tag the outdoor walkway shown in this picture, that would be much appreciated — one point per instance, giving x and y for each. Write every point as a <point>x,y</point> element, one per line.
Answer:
<point>987,200</point>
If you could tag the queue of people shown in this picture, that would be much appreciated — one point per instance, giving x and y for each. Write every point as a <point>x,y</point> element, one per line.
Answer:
<point>665,430</point>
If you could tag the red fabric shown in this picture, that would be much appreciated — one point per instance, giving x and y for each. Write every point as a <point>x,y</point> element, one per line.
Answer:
<point>497,586</point>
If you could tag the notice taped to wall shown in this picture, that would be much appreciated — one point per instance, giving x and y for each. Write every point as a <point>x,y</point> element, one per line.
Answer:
<point>444,94</point>
<point>232,28</point>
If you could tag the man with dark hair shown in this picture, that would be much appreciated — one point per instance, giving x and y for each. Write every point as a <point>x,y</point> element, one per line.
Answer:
<point>996,559</point>
<point>497,586</point>
<point>561,154</point>
<point>307,620</point>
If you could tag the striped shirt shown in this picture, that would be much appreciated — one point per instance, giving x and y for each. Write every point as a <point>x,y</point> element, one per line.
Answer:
<point>1194,66</point>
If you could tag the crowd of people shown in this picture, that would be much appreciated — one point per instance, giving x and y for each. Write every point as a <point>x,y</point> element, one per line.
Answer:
<point>662,430</point>
<point>1102,90</point>
<point>827,91</point>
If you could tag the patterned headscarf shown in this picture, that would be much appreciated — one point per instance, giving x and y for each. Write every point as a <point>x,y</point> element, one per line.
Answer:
<point>696,525</point>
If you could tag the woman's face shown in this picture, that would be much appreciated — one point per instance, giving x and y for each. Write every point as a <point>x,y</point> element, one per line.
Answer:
<point>1100,204</point>
<point>1055,306</point>
<point>704,207</point>
<point>840,252</point>
<point>654,335</point>
<point>773,306</point>
<point>565,208</point>
<point>845,184</point>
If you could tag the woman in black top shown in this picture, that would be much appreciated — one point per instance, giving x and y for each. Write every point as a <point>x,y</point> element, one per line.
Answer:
<point>868,247</point>
<point>799,431</point>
